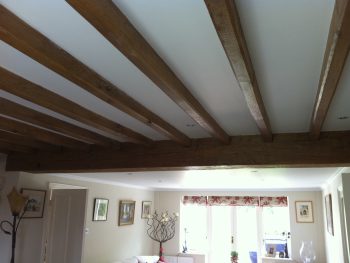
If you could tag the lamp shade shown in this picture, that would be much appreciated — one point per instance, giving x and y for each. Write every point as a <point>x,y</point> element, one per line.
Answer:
<point>16,201</point>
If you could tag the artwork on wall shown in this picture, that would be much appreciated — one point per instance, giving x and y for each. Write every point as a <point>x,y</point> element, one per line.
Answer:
<point>126,212</point>
<point>35,204</point>
<point>100,209</point>
<point>304,211</point>
<point>146,209</point>
<point>329,214</point>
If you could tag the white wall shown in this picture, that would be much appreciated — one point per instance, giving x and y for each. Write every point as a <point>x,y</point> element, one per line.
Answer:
<point>106,241</point>
<point>300,231</point>
<point>334,248</point>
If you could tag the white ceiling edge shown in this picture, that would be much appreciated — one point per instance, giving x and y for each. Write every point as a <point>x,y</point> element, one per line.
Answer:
<point>155,189</point>
<point>237,190</point>
<point>264,179</point>
<point>95,180</point>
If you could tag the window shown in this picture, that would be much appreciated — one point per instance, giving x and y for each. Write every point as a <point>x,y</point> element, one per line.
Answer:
<point>276,226</point>
<point>193,223</point>
<point>248,225</point>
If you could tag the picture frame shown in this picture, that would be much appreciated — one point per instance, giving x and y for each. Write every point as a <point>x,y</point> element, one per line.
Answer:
<point>35,204</point>
<point>304,212</point>
<point>329,214</point>
<point>271,250</point>
<point>100,209</point>
<point>126,212</point>
<point>146,209</point>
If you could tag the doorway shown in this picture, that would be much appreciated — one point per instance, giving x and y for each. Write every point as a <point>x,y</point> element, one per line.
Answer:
<point>64,225</point>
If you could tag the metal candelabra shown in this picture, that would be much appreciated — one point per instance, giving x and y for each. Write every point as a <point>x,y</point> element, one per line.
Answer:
<point>161,229</point>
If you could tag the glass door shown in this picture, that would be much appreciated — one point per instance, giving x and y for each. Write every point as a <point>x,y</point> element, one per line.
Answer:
<point>233,228</point>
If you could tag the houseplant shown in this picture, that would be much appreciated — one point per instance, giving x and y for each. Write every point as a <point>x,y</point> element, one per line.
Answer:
<point>234,256</point>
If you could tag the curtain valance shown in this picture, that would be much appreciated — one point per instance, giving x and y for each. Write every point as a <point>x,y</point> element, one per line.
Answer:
<point>233,200</point>
<point>195,200</point>
<point>262,201</point>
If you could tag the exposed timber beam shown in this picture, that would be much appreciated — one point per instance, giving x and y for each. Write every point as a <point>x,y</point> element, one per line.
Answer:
<point>25,141</point>
<point>106,17</point>
<point>335,56</point>
<point>226,20</point>
<point>286,150</point>
<point>24,129</point>
<point>31,42</point>
<point>13,147</point>
<point>30,91</point>
<point>28,115</point>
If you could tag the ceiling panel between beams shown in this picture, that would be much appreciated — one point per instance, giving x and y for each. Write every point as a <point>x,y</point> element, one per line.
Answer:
<point>286,40</point>
<point>338,117</point>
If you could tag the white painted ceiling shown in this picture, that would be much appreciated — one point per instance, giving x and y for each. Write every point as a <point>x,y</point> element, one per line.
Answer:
<point>286,40</point>
<point>228,179</point>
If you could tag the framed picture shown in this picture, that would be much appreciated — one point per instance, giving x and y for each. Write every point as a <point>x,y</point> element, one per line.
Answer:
<point>271,250</point>
<point>36,202</point>
<point>100,209</point>
<point>304,211</point>
<point>329,214</point>
<point>126,212</point>
<point>146,209</point>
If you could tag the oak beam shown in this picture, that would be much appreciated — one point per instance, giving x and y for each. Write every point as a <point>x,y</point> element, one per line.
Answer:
<point>32,92</point>
<point>13,147</point>
<point>24,129</point>
<point>226,20</point>
<point>286,150</point>
<point>25,141</point>
<point>106,17</point>
<point>335,56</point>
<point>28,115</point>
<point>31,42</point>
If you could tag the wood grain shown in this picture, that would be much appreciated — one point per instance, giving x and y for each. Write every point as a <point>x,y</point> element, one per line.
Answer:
<point>106,17</point>
<point>36,133</point>
<point>29,41</point>
<point>30,91</point>
<point>226,20</point>
<point>16,138</point>
<point>28,115</point>
<point>335,56</point>
<point>286,150</point>
<point>12,147</point>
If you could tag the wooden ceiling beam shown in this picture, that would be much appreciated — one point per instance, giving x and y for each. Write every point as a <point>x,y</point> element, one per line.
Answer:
<point>226,20</point>
<point>24,129</point>
<point>32,92</point>
<point>335,56</point>
<point>28,115</point>
<point>106,17</point>
<point>286,150</point>
<point>25,141</point>
<point>13,147</point>
<point>31,42</point>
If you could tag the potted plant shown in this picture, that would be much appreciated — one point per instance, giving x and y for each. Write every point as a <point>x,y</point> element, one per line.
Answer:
<point>234,256</point>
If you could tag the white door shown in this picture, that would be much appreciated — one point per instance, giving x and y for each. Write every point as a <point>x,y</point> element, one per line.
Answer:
<point>66,220</point>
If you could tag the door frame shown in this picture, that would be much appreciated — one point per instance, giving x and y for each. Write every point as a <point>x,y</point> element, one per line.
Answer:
<point>47,219</point>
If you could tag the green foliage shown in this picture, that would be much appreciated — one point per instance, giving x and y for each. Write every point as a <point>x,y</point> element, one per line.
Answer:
<point>234,254</point>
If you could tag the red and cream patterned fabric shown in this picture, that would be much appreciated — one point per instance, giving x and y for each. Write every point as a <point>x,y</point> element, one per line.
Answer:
<point>273,201</point>
<point>194,200</point>
<point>233,200</point>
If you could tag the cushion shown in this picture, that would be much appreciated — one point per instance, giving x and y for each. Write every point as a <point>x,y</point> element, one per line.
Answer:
<point>147,259</point>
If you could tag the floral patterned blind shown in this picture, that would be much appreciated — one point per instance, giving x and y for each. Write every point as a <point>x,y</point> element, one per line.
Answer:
<point>262,201</point>
<point>195,200</point>
<point>273,201</point>
<point>233,200</point>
